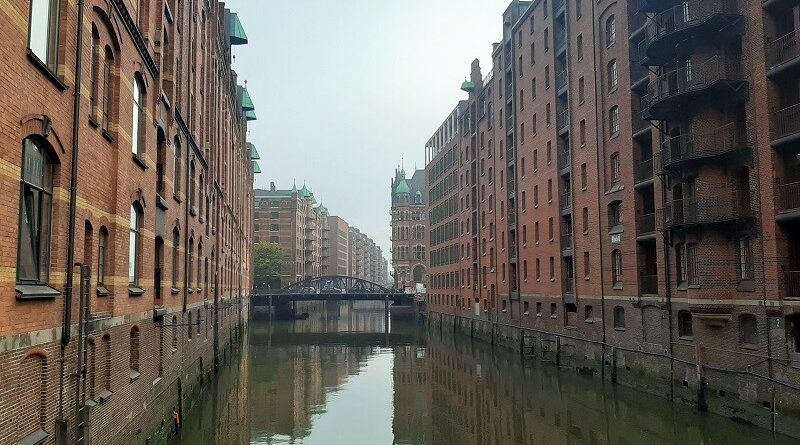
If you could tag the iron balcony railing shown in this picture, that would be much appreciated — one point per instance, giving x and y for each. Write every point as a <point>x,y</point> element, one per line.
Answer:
<point>792,283</point>
<point>509,89</point>
<point>783,49</point>
<point>569,285</point>
<point>509,122</point>
<point>511,186</point>
<point>565,201</point>
<point>646,224</point>
<point>558,4</point>
<point>637,16</point>
<point>512,216</point>
<point>512,249</point>
<point>786,122</point>
<point>704,144</point>
<point>566,241</point>
<point>643,171</point>
<point>638,70</point>
<point>648,284</point>
<point>563,159</point>
<point>707,209</point>
<point>560,40</point>
<point>692,78</point>
<point>788,196</point>
<point>562,119</point>
<point>688,14</point>
<point>561,78</point>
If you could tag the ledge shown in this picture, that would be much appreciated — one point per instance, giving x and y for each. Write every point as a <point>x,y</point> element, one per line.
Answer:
<point>51,76</point>
<point>36,292</point>
<point>109,137</point>
<point>135,291</point>
<point>37,437</point>
<point>102,291</point>
<point>133,375</point>
<point>104,395</point>
<point>174,290</point>
<point>137,159</point>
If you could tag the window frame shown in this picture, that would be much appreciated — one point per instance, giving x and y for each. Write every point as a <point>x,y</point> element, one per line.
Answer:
<point>44,190</point>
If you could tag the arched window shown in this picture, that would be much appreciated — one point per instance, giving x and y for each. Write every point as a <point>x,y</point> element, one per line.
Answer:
<point>138,126</point>
<point>613,75</point>
<point>192,187</point>
<point>611,31</point>
<point>108,88</point>
<point>615,167</point>
<point>199,277</point>
<point>619,317</point>
<point>93,74</point>
<point>35,209</point>
<point>134,351</point>
<point>615,214</point>
<point>176,242</point>
<point>616,267</point>
<point>748,330</point>
<point>101,256</point>
<point>134,244</point>
<point>685,329</point>
<point>190,267</point>
<point>44,31</point>
<point>744,253</point>
<point>176,166</point>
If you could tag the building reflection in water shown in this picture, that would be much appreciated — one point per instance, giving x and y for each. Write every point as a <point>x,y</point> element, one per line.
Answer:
<point>442,390</point>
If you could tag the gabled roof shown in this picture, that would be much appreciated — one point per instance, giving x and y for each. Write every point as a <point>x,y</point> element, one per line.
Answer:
<point>238,36</point>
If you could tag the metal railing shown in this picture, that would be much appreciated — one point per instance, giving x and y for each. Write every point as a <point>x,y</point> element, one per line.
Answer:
<point>637,17</point>
<point>562,119</point>
<point>688,14</point>
<point>646,224</point>
<point>693,77</point>
<point>512,249</point>
<point>569,285</point>
<point>511,186</point>
<point>788,196</point>
<point>563,159</point>
<point>512,216</point>
<point>561,78</point>
<point>559,40</point>
<point>648,284</point>
<point>792,283</point>
<point>566,241</point>
<point>558,4</point>
<point>786,122</point>
<point>704,210</point>
<point>509,122</point>
<point>706,144</point>
<point>643,171</point>
<point>565,200</point>
<point>783,49</point>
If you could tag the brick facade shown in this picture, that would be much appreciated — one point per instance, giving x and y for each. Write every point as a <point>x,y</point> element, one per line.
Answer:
<point>171,155</point>
<point>601,184</point>
<point>409,229</point>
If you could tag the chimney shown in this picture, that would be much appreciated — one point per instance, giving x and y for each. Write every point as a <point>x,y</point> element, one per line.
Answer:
<point>272,186</point>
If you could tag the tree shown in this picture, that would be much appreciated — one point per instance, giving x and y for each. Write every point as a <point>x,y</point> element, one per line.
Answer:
<point>267,260</point>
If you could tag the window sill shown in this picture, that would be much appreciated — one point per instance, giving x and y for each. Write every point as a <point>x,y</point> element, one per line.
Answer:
<point>104,395</point>
<point>135,291</point>
<point>174,290</point>
<point>617,286</point>
<point>193,211</point>
<point>554,317</point>
<point>588,321</point>
<point>619,329</point>
<point>102,291</point>
<point>109,137</point>
<point>36,292</point>
<point>51,76</point>
<point>749,347</point>
<point>157,381</point>
<point>93,122</point>
<point>161,203</point>
<point>133,375</point>
<point>190,290</point>
<point>137,159</point>
<point>686,337</point>
<point>35,438</point>
<point>177,198</point>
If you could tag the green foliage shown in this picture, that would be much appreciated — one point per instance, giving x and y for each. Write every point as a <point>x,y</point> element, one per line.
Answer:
<point>267,259</point>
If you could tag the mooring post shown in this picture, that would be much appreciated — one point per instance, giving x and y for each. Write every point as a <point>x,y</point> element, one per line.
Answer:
<point>386,312</point>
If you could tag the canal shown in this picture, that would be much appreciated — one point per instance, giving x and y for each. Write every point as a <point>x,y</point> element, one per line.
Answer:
<point>339,378</point>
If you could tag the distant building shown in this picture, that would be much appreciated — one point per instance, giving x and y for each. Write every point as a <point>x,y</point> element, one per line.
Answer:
<point>409,229</point>
<point>335,262</point>
<point>366,257</point>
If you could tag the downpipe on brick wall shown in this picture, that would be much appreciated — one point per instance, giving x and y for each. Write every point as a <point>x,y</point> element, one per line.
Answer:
<point>73,192</point>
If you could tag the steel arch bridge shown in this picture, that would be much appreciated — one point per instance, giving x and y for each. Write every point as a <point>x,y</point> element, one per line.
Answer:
<point>330,288</point>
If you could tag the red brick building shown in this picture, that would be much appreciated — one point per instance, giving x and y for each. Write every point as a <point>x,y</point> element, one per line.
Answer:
<point>409,229</point>
<point>126,234</point>
<point>626,174</point>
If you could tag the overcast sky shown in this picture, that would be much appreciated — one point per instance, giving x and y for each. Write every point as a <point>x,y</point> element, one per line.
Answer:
<point>344,89</point>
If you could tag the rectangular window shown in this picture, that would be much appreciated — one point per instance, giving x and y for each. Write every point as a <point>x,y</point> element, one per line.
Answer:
<point>547,115</point>
<point>582,132</point>
<point>586,265</point>
<point>533,89</point>
<point>536,231</point>
<point>549,152</point>
<point>581,90</point>
<point>546,39</point>
<point>534,122</point>
<point>585,220</point>
<point>533,51</point>
<point>550,229</point>
<point>535,159</point>
<point>547,77</point>
<point>538,270</point>
<point>692,265</point>
<point>549,190</point>
<point>580,47</point>
<point>552,268</point>
<point>538,309</point>
<point>588,313</point>
<point>35,209</point>
<point>578,8</point>
<point>522,133</point>
<point>536,196</point>
<point>583,176</point>
<point>745,261</point>
<point>44,29</point>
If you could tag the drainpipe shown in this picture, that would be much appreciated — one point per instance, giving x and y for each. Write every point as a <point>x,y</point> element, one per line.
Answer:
<point>73,192</point>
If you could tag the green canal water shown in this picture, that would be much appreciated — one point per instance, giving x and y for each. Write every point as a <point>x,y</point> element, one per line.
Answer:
<point>339,378</point>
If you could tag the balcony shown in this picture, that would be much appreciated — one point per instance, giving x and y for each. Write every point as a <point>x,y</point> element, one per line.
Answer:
<point>648,285</point>
<point>560,41</point>
<point>562,120</point>
<point>561,79</point>
<point>786,125</point>
<point>512,186</point>
<point>558,5</point>
<point>509,123</point>
<point>711,208</point>
<point>512,217</point>
<point>643,172</point>
<point>783,53</point>
<point>565,202</point>
<point>566,244</point>
<point>512,249</point>
<point>569,285</point>
<point>564,159</point>
<point>510,154</point>
<point>693,19</point>
<point>787,197</point>
<point>673,92</point>
<point>637,17</point>
<point>656,5</point>
<point>645,226</point>
<point>639,71</point>
<point>678,151</point>
<point>791,280</point>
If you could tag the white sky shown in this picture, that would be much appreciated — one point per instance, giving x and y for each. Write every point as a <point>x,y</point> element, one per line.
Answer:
<point>344,88</point>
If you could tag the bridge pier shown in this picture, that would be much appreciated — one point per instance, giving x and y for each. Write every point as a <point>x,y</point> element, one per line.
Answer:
<point>386,312</point>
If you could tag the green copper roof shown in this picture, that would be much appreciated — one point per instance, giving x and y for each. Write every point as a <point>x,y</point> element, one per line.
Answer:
<point>247,102</point>
<point>256,168</point>
<point>253,152</point>
<point>294,188</point>
<point>468,86</point>
<point>322,209</point>
<point>250,115</point>
<point>402,187</point>
<point>238,36</point>
<point>304,192</point>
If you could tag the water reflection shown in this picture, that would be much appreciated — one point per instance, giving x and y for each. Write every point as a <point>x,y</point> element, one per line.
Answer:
<point>338,378</point>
